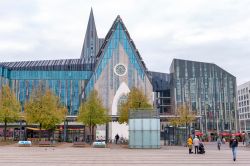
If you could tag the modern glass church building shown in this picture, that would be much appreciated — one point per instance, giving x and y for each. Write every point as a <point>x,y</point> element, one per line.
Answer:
<point>113,65</point>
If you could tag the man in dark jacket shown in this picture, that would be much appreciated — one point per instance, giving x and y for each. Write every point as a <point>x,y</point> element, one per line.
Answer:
<point>116,138</point>
<point>234,144</point>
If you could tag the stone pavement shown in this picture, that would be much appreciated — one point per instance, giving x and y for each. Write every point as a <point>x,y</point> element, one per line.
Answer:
<point>117,155</point>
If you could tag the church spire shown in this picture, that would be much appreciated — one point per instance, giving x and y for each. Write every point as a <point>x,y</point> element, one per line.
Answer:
<point>91,42</point>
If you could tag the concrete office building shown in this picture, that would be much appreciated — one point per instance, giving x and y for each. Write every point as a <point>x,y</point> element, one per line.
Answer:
<point>243,94</point>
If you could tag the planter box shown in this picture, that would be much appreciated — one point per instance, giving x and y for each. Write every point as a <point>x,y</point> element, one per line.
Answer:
<point>99,144</point>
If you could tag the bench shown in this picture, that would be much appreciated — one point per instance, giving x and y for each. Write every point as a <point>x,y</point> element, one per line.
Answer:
<point>24,143</point>
<point>45,144</point>
<point>79,144</point>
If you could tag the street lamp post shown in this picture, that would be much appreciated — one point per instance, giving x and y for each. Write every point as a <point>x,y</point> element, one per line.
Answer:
<point>20,129</point>
<point>217,123</point>
<point>65,130</point>
<point>165,135</point>
<point>205,116</point>
<point>201,124</point>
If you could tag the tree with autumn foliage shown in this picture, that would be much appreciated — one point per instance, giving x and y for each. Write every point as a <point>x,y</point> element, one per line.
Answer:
<point>185,116</point>
<point>45,109</point>
<point>135,100</point>
<point>175,122</point>
<point>10,108</point>
<point>92,113</point>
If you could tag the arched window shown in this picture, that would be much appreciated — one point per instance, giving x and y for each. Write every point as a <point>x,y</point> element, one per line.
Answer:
<point>121,100</point>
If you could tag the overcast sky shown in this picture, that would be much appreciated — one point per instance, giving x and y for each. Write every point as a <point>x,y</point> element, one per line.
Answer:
<point>216,31</point>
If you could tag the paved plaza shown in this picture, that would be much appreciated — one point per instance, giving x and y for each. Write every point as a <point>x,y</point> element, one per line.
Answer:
<point>117,155</point>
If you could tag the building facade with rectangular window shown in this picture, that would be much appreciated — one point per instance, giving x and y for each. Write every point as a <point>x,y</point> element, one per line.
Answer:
<point>243,92</point>
<point>209,91</point>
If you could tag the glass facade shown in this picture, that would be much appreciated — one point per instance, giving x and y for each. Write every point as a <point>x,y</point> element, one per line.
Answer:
<point>161,89</point>
<point>116,37</point>
<point>67,85</point>
<point>208,90</point>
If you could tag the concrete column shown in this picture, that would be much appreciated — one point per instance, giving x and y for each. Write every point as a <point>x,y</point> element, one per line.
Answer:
<point>20,128</point>
<point>65,133</point>
<point>245,125</point>
<point>107,133</point>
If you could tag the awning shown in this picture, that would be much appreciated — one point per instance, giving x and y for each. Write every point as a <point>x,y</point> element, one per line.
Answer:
<point>69,129</point>
<point>35,129</point>
<point>198,133</point>
<point>225,134</point>
<point>237,134</point>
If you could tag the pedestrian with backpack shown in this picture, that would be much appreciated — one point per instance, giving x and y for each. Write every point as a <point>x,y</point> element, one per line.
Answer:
<point>234,144</point>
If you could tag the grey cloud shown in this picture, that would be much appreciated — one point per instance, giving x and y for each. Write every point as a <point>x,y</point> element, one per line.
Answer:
<point>208,30</point>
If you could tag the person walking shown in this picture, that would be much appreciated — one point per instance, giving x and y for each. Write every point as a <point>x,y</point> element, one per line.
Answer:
<point>243,138</point>
<point>218,143</point>
<point>196,142</point>
<point>234,144</point>
<point>116,138</point>
<point>223,140</point>
<point>76,139</point>
<point>190,144</point>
